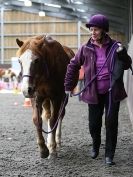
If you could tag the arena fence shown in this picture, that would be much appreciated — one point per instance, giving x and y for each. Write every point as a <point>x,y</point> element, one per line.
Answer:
<point>16,24</point>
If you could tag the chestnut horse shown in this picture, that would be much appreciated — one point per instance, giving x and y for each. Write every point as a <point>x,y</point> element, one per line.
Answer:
<point>43,66</point>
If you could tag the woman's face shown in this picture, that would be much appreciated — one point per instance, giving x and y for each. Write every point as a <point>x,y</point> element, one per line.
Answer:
<point>96,33</point>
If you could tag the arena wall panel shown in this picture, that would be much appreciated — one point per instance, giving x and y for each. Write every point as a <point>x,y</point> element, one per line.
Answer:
<point>23,25</point>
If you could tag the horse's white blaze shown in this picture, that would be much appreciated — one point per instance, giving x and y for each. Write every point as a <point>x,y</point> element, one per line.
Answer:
<point>25,59</point>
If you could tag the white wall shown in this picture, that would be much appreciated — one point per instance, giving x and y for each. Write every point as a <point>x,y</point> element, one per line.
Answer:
<point>129,82</point>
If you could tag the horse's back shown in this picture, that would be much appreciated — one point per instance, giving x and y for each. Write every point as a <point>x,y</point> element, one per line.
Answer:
<point>69,52</point>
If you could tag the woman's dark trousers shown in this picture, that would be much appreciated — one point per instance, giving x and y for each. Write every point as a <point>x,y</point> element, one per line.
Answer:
<point>111,123</point>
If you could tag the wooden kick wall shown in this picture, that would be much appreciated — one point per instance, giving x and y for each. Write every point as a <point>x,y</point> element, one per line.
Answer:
<point>23,25</point>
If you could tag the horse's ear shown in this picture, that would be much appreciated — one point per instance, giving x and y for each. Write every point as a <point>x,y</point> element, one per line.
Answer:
<point>20,43</point>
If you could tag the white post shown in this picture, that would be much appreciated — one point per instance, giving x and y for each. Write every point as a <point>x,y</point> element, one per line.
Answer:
<point>131,17</point>
<point>79,35</point>
<point>2,35</point>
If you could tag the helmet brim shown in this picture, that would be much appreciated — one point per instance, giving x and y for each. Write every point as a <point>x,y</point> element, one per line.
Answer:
<point>93,25</point>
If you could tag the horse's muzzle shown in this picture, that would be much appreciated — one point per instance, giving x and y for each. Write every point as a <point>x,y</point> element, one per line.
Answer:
<point>29,93</point>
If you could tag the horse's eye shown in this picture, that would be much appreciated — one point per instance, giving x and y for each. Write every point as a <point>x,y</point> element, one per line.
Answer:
<point>36,61</point>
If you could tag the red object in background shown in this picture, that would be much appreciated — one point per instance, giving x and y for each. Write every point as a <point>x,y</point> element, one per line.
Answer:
<point>81,73</point>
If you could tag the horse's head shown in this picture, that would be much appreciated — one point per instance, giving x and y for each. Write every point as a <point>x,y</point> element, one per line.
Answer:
<point>32,64</point>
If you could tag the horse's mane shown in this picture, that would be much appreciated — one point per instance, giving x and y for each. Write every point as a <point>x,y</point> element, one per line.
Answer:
<point>35,43</point>
<point>47,49</point>
<point>52,58</point>
<point>27,44</point>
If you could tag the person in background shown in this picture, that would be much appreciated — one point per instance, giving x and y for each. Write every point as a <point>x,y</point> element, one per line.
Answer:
<point>104,61</point>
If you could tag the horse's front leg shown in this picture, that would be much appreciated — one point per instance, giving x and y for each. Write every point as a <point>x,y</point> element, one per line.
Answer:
<point>54,125</point>
<point>58,129</point>
<point>44,152</point>
<point>51,143</point>
<point>58,134</point>
<point>48,116</point>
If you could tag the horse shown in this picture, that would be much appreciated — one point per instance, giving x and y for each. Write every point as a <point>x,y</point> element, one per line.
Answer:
<point>43,63</point>
<point>9,76</point>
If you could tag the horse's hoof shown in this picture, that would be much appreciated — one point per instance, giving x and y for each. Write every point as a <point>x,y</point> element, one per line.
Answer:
<point>52,155</point>
<point>44,153</point>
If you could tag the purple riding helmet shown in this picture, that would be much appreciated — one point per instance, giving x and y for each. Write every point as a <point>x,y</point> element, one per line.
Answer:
<point>100,21</point>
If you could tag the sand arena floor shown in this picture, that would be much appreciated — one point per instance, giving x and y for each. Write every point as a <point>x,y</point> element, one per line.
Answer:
<point>19,153</point>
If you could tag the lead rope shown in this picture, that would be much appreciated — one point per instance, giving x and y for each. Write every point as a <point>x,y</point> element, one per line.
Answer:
<point>88,84</point>
<point>113,49</point>
<point>112,63</point>
<point>59,116</point>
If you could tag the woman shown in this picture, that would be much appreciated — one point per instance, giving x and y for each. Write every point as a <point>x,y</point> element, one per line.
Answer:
<point>104,61</point>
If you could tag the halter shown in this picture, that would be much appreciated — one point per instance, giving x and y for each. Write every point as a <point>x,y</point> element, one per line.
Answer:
<point>45,67</point>
<point>26,75</point>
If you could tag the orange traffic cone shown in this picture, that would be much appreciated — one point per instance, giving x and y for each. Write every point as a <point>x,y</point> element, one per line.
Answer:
<point>27,102</point>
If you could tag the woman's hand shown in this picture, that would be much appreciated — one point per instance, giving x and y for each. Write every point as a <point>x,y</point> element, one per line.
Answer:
<point>120,48</point>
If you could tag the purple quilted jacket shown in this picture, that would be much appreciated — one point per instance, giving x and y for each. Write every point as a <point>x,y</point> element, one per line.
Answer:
<point>86,57</point>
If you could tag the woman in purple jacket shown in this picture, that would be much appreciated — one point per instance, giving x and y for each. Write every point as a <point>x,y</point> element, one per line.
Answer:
<point>104,61</point>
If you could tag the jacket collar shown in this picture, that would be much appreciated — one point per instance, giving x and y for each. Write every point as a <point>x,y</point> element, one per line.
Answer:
<point>90,45</point>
